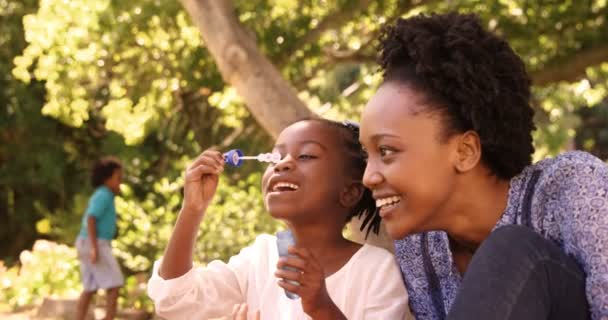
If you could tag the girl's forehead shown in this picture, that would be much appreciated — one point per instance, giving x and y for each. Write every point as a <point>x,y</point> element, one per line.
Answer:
<point>309,131</point>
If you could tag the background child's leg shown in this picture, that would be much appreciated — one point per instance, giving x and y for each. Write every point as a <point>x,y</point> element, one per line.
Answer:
<point>111,298</point>
<point>83,304</point>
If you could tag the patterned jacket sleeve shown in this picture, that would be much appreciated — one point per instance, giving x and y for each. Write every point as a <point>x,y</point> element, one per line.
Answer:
<point>576,190</point>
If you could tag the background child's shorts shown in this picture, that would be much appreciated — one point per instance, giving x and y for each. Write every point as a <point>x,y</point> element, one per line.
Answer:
<point>105,273</point>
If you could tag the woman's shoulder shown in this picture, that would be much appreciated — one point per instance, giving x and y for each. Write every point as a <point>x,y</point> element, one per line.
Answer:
<point>571,182</point>
<point>568,162</point>
<point>563,170</point>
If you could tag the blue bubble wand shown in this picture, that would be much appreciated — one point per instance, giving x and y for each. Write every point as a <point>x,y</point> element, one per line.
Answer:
<point>235,157</point>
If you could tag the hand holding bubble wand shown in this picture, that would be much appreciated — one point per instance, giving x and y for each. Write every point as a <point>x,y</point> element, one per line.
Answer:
<point>235,157</point>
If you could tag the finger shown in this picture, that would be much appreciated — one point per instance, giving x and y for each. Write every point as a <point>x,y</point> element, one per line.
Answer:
<point>307,255</point>
<point>293,288</point>
<point>300,252</point>
<point>201,155</point>
<point>257,315</point>
<point>217,156</point>
<point>198,172</point>
<point>293,262</point>
<point>292,275</point>
<point>209,157</point>
<point>206,161</point>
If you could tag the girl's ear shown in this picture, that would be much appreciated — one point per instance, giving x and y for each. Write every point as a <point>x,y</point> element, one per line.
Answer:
<point>468,152</point>
<point>351,194</point>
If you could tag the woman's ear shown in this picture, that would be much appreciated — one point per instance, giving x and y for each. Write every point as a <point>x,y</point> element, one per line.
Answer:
<point>351,194</point>
<point>468,151</point>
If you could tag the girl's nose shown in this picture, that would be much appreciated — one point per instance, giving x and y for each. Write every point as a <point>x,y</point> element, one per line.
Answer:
<point>284,164</point>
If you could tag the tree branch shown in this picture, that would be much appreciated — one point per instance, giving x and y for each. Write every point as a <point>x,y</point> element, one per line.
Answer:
<point>572,67</point>
<point>562,69</point>
<point>332,21</point>
<point>356,56</point>
<point>270,98</point>
<point>362,55</point>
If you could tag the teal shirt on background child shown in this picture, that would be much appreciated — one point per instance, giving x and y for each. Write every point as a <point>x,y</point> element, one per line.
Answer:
<point>101,206</point>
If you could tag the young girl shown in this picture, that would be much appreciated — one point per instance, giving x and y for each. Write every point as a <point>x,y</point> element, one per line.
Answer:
<point>315,189</point>
<point>98,267</point>
<point>481,233</point>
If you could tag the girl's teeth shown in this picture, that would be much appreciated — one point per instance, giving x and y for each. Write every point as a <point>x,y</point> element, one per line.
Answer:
<point>285,185</point>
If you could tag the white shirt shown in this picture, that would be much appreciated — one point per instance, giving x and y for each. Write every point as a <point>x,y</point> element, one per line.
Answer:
<point>368,286</point>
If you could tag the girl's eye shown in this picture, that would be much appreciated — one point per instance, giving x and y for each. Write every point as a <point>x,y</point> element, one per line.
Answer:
<point>306,157</point>
<point>385,151</point>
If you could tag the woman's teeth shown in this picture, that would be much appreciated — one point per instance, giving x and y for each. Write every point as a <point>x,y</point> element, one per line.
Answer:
<point>387,201</point>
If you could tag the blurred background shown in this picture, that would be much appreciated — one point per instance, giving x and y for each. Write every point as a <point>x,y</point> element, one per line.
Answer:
<point>156,82</point>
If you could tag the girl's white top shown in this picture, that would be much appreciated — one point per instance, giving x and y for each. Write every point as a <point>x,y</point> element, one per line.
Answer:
<point>368,286</point>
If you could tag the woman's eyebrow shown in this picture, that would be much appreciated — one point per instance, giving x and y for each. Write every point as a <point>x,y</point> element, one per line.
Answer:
<point>376,137</point>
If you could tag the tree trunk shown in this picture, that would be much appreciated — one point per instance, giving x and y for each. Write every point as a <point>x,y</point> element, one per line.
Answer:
<point>570,68</point>
<point>268,96</point>
<point>272,100</point>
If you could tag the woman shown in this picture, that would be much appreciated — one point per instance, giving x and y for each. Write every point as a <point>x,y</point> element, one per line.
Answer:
<point>480,231</point>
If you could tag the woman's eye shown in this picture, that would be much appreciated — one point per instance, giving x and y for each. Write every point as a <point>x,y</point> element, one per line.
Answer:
<point>385,151</point>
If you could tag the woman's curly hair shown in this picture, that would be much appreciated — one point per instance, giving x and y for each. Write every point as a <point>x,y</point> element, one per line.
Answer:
<point>472,77</point>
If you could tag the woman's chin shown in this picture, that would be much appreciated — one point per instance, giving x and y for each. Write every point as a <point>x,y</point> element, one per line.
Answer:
<point>399,229</point>
<point>395,234</point>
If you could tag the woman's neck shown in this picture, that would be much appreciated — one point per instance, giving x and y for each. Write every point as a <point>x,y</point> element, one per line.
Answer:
<point>478,208</point>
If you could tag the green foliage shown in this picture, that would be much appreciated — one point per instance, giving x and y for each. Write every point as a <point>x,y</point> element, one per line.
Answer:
<point>49,270</point>
<point>234,219</point>
<point>31,145</point>
<point>84,78</point>
<point>134,295</point>
<point>232,222</point>
<point>91,72</point>
<point>592,136</point>
<point>558,114</point>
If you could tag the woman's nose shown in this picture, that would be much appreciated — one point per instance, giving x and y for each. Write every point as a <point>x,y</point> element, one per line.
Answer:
<point>371,177</point>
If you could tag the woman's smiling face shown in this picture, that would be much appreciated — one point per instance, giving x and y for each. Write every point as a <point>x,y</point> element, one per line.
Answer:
<point>410,166</point>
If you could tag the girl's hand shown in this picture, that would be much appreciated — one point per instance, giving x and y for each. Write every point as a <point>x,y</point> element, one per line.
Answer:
<point>201,181</point>
<point>315,298</point>
<point>239,312</point>
<point>93,255</point>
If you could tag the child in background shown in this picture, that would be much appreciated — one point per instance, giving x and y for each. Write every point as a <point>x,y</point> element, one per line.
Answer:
<point>315,189</point>
<point>98,267</point>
